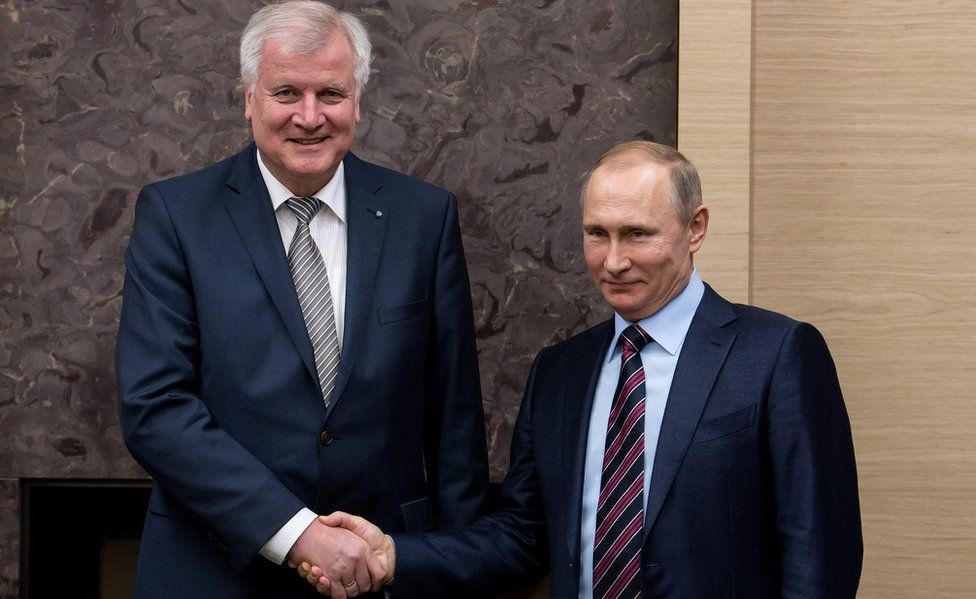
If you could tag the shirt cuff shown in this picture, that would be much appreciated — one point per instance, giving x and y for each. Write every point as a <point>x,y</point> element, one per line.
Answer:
<point>278,546</point>
<point>390,581</point>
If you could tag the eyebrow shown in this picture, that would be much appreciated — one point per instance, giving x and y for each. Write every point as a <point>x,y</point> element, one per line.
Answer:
<point>625,228</point>
<point>337,87</point>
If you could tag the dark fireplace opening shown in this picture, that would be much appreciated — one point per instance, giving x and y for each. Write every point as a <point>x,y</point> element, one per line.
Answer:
<point>80,538</point>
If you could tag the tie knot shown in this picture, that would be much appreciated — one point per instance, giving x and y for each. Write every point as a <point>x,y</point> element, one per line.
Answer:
<point>635,336</point>
<point>304,208</point>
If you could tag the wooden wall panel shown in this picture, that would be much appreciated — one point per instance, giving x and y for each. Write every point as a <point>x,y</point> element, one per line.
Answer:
<point>864,223</point>
<point>714,129</point>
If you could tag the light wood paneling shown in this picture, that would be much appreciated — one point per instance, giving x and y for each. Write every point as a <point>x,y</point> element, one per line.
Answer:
<point>714,64</point>
<point>864,223</point>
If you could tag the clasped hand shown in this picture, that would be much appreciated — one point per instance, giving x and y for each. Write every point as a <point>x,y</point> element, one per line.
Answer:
<point>342,555</point>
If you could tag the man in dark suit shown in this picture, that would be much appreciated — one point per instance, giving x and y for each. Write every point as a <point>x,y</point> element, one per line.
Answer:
<point>296,337</point>
<point>687,447</point>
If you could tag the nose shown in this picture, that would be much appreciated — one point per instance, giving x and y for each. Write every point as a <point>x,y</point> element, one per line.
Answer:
<point>616,262</point>
<point>307,113</point>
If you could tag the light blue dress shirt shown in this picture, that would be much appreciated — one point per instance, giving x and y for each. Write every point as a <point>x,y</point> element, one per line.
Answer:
<point>667,327</point>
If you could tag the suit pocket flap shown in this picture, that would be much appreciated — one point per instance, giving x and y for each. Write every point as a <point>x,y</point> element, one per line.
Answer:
<point>417,515</point>
<point>162,506</point>
<point>723,426</point>
<point>402,312</point>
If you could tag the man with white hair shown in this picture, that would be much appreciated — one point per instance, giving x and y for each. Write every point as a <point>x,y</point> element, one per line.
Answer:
<point>296,338</point>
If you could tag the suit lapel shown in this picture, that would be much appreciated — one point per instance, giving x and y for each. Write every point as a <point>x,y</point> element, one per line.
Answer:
<point>367,212</point>
<point>705,348</point>
<point>250,209</point>
<point>580,386</point>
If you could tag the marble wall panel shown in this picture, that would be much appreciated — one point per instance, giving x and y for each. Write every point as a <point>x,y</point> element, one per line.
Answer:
<point>506,103</point>
<point>9,538</point>
<point>98,98</point>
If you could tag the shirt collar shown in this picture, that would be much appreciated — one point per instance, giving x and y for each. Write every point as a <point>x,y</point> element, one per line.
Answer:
<point>333,194</point>
<point>669,325</point>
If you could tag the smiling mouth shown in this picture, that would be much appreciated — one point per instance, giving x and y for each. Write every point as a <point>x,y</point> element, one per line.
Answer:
<point>307,141</point>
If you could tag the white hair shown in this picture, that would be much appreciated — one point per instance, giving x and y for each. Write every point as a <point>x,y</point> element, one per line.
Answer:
<point>303,27</point>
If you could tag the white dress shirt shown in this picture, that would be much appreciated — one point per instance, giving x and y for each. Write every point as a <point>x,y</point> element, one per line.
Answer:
<point>328,230</point>
<point>668,328</point>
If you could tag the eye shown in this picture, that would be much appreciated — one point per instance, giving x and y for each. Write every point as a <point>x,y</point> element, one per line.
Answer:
<point>333,95</point>
<point>638,234</point>
<point>286,95</point>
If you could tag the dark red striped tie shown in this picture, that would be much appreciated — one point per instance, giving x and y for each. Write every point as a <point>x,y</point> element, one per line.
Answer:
<point>620,509</point>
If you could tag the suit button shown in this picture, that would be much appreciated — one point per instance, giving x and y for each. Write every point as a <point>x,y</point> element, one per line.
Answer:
<point>325,438</point>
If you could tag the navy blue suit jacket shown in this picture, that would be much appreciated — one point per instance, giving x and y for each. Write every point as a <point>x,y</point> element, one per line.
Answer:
<point>753,494</point>
<point>219,399</point>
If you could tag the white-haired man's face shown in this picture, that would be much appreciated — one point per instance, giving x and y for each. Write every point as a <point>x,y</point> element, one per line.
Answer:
<point>303,111</point>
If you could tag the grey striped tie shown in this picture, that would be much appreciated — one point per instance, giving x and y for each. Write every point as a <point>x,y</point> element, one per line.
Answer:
<point>314,295</point>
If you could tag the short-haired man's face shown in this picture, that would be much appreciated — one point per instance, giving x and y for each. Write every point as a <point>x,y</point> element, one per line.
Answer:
<point>637,250</point>
<point>303,112</point>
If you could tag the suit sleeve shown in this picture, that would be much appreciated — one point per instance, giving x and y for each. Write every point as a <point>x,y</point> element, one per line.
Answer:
<point>454,426</point>
<point>165,424</point>
<point>498,553</point>
<point>815,479</point>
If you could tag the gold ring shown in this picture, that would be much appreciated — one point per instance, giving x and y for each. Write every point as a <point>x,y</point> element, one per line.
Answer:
<point>349,585</point>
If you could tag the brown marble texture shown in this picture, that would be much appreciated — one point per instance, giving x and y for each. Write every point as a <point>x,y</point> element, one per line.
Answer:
<point>507,104</point>
<point>504,102</point>
<point>9,538</point>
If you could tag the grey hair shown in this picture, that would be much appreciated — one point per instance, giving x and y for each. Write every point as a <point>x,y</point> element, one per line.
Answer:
<point>303,27</point>
<point>685,194</point>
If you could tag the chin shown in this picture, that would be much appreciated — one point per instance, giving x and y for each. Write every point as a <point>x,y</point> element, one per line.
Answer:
<point>310,166</point>
<point>624,311</point>
<point>632,311</point>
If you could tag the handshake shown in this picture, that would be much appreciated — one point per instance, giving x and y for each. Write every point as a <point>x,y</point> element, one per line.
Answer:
<point>342,555</point>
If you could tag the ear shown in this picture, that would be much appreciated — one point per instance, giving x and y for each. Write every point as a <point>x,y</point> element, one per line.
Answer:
<point>356,108</point>
<point>697,228</point>
<point>247,101</point>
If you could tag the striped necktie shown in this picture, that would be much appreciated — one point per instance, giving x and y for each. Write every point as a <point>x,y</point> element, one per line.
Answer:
<point>314,294</point>
<point>620,508</point>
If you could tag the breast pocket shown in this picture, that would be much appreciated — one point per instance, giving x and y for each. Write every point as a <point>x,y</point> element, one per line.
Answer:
<point>401,312</point>
<point>725,425</point>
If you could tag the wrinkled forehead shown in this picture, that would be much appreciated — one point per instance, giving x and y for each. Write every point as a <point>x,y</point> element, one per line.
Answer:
<point>329,66</point>
<point>630,177</point>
